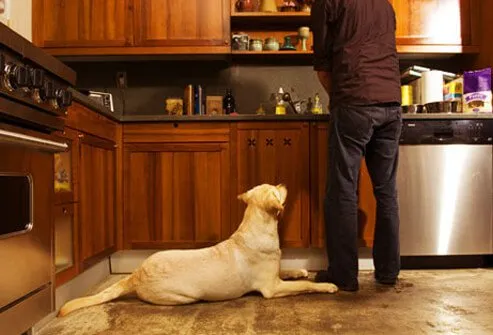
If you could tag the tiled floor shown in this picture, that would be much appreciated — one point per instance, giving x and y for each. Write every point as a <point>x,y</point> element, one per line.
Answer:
<point>424,302</point>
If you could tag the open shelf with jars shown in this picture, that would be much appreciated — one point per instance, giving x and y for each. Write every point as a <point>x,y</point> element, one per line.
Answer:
<point>270,27</point>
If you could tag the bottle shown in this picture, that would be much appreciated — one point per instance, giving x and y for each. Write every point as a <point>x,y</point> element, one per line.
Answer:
<point>317,105</point>
<point>229,104</point>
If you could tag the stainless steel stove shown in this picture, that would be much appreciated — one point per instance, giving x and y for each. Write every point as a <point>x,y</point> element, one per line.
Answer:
<point>34,98</point>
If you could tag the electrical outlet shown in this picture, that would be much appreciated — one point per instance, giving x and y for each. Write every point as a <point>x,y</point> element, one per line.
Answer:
<point>121,79</point>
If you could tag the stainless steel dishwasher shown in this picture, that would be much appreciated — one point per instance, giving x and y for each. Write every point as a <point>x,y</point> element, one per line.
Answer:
<point>445,187</point>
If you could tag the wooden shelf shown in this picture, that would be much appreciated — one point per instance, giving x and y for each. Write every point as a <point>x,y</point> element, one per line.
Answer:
<point>280,52</point>
<point>270,14</point>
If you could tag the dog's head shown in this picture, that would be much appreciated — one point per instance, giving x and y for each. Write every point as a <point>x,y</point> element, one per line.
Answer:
<point>268,197</point>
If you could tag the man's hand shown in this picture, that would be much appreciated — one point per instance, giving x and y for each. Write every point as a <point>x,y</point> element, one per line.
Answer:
<point>324,78</point>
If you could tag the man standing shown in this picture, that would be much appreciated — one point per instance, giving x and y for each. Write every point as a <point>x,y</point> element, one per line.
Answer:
<point>356,61</point>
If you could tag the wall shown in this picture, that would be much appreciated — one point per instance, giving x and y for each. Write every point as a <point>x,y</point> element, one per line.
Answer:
<point>18,16</point>
<point>151,82</point>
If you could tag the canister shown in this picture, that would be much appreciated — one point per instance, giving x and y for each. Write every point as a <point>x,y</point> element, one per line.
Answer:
<point>407,95</point>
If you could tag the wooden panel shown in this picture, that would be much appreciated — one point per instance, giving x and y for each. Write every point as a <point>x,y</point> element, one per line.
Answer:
<point>119,187</point>
<point>176,132</point>
<point>87,23</point>
<point>83,119</point>
<point>176,194</point>
<point>432,21</point>
<point>366,207</point>
<point>264,154</point>
<point>485,31</point>
<point>97,199</point>
<point>182,23</point>
<point>319,137</point>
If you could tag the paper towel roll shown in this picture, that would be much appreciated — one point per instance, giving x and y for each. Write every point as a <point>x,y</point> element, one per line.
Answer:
<point>432,86</point>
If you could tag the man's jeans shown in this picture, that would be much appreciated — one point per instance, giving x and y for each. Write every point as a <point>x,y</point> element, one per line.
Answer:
<point>373,132</point>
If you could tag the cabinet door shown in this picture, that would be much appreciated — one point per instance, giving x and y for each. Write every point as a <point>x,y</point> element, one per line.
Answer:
<point>80,23</point>
<point>181,23</point>
<point>433,21</point>
<point>277,153</point>
<point>319,139</point>
<point>97,199</point>
<point>176,195</point>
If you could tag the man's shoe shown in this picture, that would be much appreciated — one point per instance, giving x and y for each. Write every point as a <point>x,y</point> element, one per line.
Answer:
<point>386,280</point>
<point>325,277</point>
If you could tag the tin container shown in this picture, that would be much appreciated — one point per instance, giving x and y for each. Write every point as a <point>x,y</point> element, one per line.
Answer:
<point>256,45</point>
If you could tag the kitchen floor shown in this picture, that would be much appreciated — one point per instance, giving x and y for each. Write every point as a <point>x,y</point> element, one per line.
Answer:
<point>424,302</point>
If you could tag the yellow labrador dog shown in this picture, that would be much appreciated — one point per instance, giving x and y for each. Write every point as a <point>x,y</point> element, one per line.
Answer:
<point>248,261</point>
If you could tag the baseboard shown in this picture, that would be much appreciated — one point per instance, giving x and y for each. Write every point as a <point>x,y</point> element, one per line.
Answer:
<point>77,287</point>
<point>312,259</point>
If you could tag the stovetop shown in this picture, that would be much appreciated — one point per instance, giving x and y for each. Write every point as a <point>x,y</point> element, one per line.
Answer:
<point>34,86</point>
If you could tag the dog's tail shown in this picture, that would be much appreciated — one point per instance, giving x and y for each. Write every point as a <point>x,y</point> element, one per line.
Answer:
<point>122,287</point>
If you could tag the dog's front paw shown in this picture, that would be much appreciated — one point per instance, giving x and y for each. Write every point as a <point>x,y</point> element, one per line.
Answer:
<point>303,273</point>
<point>328,288</point>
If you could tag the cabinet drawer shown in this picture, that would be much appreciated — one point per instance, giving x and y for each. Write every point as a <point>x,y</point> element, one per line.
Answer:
<point>184,132</point>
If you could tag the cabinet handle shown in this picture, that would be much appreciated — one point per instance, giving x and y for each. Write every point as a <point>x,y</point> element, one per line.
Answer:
<point>251,142</point>
<point>81,135</point>
<point>269,141</point>
<point>287,141</point>
<point>65,211</point>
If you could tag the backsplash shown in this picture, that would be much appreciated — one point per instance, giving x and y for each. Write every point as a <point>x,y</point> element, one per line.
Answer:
<point>151,82</point>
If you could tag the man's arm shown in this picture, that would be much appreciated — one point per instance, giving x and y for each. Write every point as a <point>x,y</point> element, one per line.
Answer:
<point>323,13</point>
<point>324,78</point>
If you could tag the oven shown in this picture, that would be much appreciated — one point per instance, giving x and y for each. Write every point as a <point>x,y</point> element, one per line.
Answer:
<point>26,229</point>
<point>34,97</point>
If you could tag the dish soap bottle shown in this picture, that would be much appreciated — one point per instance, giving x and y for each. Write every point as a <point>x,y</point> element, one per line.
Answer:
<point>317,105</point>
<point>229,104</point>
<point>280,106</point>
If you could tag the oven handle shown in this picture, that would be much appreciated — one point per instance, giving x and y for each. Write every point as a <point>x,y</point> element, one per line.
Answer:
<point>8,137</point>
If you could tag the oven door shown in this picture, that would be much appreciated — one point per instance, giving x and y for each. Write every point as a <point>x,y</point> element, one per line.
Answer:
<point>26,229</point>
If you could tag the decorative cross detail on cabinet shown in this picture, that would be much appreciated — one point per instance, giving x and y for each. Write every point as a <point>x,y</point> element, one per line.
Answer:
<point>287,141</point>
<point>269,141</point>
<point>251,142</point>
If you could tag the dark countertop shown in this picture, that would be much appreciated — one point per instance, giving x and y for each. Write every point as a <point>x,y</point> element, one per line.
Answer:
<point>289,117</point>
<point>226,118</point>
<point>118,117</point>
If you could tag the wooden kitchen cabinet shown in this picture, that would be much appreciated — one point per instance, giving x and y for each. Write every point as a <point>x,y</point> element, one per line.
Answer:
<point>275,153</point>
<point>177,23</point>
<point>434,22</point>
<point>176,185</point>
<point>88,24</point>
<point>97,199</point>
<point>87,202</point>
<point>131,27</point>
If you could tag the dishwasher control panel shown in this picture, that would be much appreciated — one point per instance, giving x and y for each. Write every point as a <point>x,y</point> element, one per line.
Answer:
<point>429,131</point>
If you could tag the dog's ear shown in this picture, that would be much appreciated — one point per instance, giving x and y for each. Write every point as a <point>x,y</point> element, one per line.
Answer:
<point>244,197</point>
